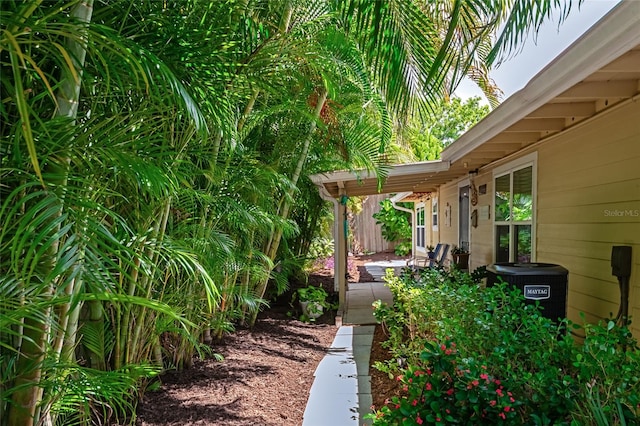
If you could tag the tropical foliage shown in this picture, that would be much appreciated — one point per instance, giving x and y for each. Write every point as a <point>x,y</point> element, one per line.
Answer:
<point>395,226</point>
<point>423,139</point>
<point>466,354</point>
<point>153,163</point>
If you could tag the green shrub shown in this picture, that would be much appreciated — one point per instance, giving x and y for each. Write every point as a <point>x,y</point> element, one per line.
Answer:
<point>555,379</point>
<point>443,387</point>
<point>395,226</point>
<point>320,248</point>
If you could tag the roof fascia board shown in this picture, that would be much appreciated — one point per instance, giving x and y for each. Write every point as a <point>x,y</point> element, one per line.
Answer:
<point>396,170</point>
<point>615,34</point>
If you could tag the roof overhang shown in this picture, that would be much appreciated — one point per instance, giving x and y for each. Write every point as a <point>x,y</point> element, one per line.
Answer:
<point>423,176</point>
<point>597,72</point>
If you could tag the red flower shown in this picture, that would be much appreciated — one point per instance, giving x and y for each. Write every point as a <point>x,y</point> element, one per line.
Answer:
<point>484,376</point>
<point>428,386</point>
<point>502,415</point>
<point>419,420</point>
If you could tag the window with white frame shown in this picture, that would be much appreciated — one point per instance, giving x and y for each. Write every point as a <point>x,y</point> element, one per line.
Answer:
<point>434,213</point>
<point>514,213</point>
<point>420,228</point>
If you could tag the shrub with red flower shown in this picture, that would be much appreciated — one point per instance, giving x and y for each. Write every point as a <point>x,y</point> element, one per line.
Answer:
<point>446,388</point>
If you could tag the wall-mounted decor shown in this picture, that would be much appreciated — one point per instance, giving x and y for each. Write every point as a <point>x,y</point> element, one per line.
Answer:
<point>484,212</point>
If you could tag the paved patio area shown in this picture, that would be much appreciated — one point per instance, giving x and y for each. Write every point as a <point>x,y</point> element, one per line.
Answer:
<point>341,391</point>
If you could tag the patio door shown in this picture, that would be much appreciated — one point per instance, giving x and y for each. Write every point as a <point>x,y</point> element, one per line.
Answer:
<point>463,219</point>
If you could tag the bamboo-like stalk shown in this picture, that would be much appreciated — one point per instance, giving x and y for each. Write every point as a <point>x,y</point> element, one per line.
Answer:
<point>96,316</point>
<point>274,242</point>
<point>141,320</point>
<point>28,393</point>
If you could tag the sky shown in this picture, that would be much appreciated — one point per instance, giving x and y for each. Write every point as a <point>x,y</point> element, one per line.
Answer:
<point>514,74</point>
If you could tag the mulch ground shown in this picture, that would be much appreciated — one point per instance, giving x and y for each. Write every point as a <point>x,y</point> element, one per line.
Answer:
<point>267,371</point>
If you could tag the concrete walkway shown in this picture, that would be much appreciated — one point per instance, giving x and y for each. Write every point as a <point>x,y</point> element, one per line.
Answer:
<point>341,391</point>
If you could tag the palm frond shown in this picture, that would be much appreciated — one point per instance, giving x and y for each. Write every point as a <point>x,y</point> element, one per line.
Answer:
<point>523,19</point>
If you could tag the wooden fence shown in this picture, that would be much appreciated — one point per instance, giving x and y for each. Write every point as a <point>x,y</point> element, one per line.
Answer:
<point>366,235</point>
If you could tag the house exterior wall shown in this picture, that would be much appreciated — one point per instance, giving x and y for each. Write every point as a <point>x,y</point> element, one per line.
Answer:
<point>587,200</point>
<point>448,212</point>
<point>482,235</point>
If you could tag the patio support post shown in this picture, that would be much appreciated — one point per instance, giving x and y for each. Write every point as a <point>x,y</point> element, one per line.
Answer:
<point>339,245</point>
<point>340,250</point>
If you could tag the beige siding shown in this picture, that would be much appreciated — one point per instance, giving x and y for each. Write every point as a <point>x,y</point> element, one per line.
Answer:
<point>588,200</point>
<point>482,235</point>
<point>448,204</point>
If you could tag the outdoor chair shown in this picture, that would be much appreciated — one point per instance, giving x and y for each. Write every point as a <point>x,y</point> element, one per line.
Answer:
<point>439,256</point>
<point>439,261</point>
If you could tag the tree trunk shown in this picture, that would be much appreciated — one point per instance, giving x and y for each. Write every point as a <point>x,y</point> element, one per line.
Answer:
<point>28,394</point>
<point>285,204</point>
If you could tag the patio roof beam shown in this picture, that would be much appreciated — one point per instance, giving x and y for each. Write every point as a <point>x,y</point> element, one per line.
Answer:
<point>601,89</point>
<point>628,64</point>
<point>537,125</point>
<point>571,109</point>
